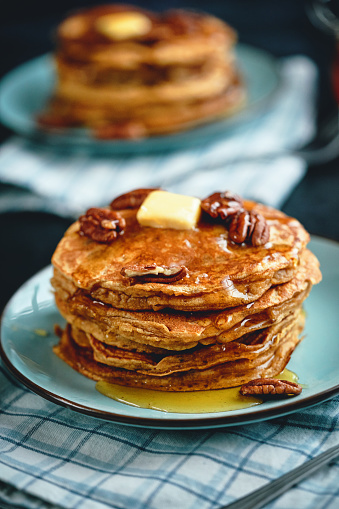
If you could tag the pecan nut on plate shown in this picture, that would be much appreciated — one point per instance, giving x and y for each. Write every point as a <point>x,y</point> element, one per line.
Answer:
<point>270,387</point>
<point>120,130</point>
<point>153,273</point>
<point>131,200</point>
<point>102,225</point>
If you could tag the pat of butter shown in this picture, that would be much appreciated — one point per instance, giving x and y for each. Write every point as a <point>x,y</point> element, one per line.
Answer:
<point>162,209</point>
<point>123,25</point>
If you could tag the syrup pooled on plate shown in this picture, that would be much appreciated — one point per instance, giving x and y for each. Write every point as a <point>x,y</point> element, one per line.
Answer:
<point>196,402</point>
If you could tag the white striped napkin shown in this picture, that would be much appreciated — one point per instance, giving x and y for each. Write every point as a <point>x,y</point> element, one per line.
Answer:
<point>255,159</point>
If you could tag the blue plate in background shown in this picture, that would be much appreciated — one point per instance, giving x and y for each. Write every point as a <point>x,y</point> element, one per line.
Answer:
<point>25,91</point>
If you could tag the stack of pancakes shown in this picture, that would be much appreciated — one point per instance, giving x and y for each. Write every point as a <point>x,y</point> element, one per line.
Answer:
<point>233,315</point>
<point>125,72</point>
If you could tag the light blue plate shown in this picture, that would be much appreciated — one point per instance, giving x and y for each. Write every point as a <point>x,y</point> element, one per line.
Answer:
<point>25,91</point>
<point>28,355</point>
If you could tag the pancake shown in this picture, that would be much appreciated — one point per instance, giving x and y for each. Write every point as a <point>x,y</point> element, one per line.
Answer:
<point>197,85</point>
<point>207,299</point>
<point>229,373</point>
<point>112,121</point>
<point>179,330</point>
<point>251,346</point>
<point>127,72</point>
<point>175,37</point>
<point>220,273</point>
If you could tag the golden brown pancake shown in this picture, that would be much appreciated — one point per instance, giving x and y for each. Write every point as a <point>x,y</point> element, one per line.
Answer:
<point>220,273</point>
<point>229,373</point>
<point>112,121</point>
<point>174,330</point>
<point>173,37</point>
<point>251,346</point>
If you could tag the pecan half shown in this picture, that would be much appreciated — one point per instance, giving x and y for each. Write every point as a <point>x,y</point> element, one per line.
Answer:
<point>102,225</point>
<point>131,200</point>
<point>240,227</point>
<point>154,273</point>
<point>270,387</point>
<point>261,231</point>
<point>223,205</point>
<point>124,130</point>
<point>249,226</point>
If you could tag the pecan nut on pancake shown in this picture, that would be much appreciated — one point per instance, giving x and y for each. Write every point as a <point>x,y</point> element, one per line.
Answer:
<point>125,72</point>
<point>135,317</point>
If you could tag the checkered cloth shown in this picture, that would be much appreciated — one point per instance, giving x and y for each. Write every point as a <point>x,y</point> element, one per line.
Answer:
<point>52,455</point>
<point>255,159</point>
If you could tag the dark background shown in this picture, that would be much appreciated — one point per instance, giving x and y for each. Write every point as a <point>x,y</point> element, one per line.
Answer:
<point>282,27</point>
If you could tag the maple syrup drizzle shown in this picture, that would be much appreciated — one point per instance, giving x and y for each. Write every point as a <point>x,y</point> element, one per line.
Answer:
<point>196,402</point>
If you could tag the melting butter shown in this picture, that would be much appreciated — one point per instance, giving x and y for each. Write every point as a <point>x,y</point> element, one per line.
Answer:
<point>195,402</point>
<point>162,209</point>
<point>123,25</point>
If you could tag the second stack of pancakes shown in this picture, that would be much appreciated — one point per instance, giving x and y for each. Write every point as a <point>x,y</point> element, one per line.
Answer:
<point>125,72</point>
<point>182,310</point>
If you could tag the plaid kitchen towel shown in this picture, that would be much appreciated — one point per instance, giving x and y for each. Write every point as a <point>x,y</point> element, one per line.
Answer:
<point>53,457</point>
<point>255,159</point>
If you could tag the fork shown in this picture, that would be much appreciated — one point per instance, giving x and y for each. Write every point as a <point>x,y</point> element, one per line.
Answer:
<point>274,489</point>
